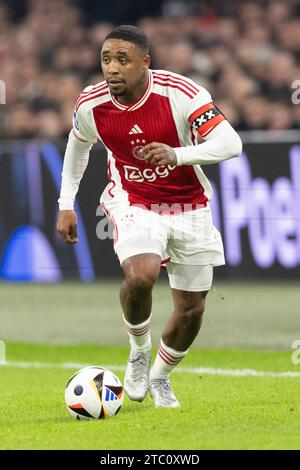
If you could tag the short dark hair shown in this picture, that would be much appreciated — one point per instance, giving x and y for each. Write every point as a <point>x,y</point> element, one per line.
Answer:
<point>132,34</point>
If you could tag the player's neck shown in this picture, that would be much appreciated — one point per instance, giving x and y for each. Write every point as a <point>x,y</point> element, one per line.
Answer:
<point>131,98</point>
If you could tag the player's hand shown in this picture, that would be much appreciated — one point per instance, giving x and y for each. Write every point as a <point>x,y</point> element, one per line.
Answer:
<point>159,154</point>
<point>67,226</point>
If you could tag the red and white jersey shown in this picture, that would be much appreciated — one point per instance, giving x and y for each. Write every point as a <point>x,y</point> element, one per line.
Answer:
<point>173,111</point>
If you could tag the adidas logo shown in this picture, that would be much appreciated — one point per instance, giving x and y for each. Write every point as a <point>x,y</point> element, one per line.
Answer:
<point>136,130</point>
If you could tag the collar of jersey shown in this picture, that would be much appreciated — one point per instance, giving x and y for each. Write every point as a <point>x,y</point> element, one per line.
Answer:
<point>137,104</point>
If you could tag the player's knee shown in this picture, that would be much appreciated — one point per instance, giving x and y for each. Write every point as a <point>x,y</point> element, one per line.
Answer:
<point>193,314</point>
<point>141,274</point>
<point>140,282</point>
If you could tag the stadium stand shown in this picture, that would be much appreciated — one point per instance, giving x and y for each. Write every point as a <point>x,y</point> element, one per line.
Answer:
<point>247,54</point>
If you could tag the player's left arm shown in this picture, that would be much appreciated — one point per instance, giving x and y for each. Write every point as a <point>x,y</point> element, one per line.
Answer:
<point>220,140</point>
<point>220,144</point>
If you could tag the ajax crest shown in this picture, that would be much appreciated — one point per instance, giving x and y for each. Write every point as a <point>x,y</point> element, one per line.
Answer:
<point>137,146</point>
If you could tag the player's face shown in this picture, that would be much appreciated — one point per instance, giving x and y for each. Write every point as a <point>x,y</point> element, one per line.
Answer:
<point>124,67</point>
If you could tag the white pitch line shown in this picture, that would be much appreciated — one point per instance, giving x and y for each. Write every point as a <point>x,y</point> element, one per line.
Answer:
<point>191,370</point>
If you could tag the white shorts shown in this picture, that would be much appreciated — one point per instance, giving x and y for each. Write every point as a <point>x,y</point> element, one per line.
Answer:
<point>190,278</point>
<point>187,241</point>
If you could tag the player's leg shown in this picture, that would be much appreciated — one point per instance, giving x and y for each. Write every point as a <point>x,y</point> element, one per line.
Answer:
<point>194,248</point>
<point>190,285</point>
<point>185,322</point>
<point>141,272</point>
<point>139,243</point>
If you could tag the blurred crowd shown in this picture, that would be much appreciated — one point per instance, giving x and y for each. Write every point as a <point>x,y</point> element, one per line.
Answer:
<point>247,54</point>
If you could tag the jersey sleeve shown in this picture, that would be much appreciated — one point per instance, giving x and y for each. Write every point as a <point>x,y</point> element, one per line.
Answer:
<point>83,125</point>
<point>202,114</point>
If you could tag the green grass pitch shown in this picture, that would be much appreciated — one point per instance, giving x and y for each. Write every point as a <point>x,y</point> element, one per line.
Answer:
<point>217,412</point>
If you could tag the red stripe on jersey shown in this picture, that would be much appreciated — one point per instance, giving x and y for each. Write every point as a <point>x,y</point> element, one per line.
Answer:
<point>181,79</point>
<point>93,93</point>
<point>185,84</point>
<point>90,98</point>
<point>173,86</point>
<point>95,88</point>
<point>110,178</point>
<point>86,94</point>
<point>173,82</point>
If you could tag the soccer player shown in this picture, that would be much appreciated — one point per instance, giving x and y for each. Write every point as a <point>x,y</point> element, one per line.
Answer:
<point>151,122</point>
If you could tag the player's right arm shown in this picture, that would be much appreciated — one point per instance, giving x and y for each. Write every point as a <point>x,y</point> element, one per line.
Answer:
<point>67,226</point>
<point>80,142</point>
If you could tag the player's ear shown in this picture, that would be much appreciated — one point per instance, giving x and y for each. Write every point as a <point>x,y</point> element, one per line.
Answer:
<point>147,60</point>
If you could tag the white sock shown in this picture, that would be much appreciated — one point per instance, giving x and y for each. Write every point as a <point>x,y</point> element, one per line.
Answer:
<point>165,361</point>
<point>139,335</point>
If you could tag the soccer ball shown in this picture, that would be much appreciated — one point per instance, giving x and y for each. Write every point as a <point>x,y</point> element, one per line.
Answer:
<point>94,393</point>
